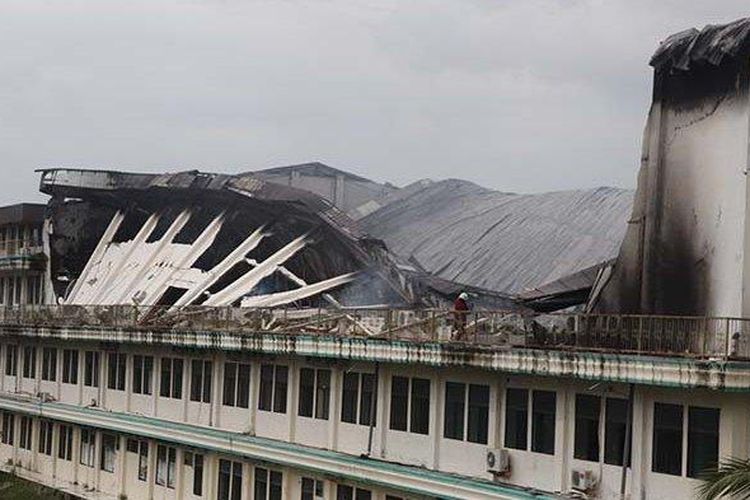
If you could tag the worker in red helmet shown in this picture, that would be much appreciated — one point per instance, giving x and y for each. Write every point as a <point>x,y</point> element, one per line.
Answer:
<point>460,311</point>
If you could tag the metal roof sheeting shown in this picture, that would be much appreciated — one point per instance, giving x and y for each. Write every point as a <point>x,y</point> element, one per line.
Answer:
<point>502,241</point>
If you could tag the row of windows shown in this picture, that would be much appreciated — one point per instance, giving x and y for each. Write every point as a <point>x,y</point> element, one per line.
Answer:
<point>267,483</point>
<point>530,415</point>
<point>12,289</point>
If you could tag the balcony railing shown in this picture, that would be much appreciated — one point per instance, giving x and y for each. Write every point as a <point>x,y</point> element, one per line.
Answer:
<point>10,248</point>
<point>702,337</point>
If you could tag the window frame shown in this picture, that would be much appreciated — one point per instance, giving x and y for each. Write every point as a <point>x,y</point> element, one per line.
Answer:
<point>117,370</point>
<point>171,377</point>
<point>49,364</point>
<point>316,395</point>
<point>201,380</point>
<point>91,367</point>
<point>70,366</point>
<point>29,362</point>
<point>273,393</point>
<point>143,375</point>
<point>236,388</point>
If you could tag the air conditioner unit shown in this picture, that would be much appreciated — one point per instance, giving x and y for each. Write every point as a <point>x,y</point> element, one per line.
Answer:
<point>582,480</point>
<point>498,461</point>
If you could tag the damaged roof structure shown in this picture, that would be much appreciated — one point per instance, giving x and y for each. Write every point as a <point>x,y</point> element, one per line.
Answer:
<point>511,243</point>
<point>198,239</point>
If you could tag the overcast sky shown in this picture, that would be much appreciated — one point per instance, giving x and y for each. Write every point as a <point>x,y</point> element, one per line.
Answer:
<point>517,95</point>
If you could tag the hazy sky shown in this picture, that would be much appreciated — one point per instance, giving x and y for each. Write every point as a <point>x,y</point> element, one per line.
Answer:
<point>518,95</point>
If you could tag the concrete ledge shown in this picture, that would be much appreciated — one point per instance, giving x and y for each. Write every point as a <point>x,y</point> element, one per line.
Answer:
<point>682,372</point>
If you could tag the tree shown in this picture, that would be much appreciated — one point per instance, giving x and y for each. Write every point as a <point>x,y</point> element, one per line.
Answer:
<point>731,478</point>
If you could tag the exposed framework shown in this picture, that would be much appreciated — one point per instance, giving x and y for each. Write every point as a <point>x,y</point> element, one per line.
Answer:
<point>140,272</point>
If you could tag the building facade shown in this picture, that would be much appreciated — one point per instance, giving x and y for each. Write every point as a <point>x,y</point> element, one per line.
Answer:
<point>109,411</point>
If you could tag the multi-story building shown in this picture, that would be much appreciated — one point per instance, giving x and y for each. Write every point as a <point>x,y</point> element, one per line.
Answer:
<point>225,337</point>
<point>23,263</point>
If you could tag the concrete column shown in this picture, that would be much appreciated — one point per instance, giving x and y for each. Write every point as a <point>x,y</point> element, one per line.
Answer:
<point>210,475</point>
<point>55,447</point>
<point>438,414</point>
<point>292,400</point>
<point>98,439</point>
<point>180,471</point>
<point>217,369</point>
<point>151,476</point>
<point>335,414</point>
<point>128,380</point>
<point>383,410</point>
<point>565,442</point>
<point>76,453</point>
<point>254,389</point>
<point>79,379</point>
<point>122,464</point>
<point>35,444</point>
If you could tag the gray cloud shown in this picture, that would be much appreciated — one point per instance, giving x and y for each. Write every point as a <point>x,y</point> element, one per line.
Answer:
<point>519,95</point>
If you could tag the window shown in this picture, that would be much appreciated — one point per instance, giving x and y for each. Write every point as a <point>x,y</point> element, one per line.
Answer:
<point>230,480</point>
<point>166,460</point>
<point>344,492</point>
<point>91,369</point>
<point>141,448</point>
<point>29,362</point>
<point>703,440</point>
<point>273,384</point>
<point>9,427</point>
<point>236,385</point>
<point>314,393</point>
<point>669,446</point>
<point>543,422</point>
<point>460,424</point>
<point>88,446</point>
<point>45,437</point>
<point>116,369</point>
<point>49,364</point>
<point>26,430</point>
<point>143,370</point>
<point>455,405</point>
<point>65,445</point>
<point>197,474</point>
<point>200,381</point>
<point>11,360</point>
<point>70,366</point>
<point>109,452</point>
<point>410,400</point>
<point>586,445</point>
<point>516,418</point>
<point>311,488</point>
<point>171,378</point>
<point>357,402</point>
<point>615,424</point>
<point>267,484</point>
<point>667,439</point>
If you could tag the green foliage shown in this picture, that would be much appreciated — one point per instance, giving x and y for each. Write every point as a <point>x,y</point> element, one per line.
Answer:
<point>15,488</point>
<point>732,478</point>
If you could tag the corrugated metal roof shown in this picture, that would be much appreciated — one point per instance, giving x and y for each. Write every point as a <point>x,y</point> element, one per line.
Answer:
<point>502,241</point>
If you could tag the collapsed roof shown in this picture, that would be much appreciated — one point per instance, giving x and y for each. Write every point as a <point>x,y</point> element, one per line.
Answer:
<point>193,238</point>
<point>503,241</point>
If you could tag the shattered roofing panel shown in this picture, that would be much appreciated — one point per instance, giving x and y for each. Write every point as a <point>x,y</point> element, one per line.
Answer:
<point>502,241</point>
<point>711,45</point>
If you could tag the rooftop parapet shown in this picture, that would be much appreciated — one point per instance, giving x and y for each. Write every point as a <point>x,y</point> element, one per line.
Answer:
<point>709,338</point>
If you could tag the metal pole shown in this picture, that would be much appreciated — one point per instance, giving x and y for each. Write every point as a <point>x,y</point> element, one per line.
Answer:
<point>628,437</point>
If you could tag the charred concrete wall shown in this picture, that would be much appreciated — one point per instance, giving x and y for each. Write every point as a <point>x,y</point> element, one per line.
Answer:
<point>685,249</point>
